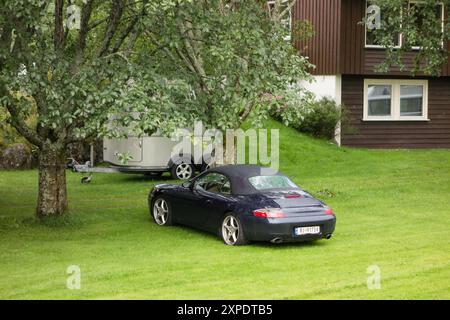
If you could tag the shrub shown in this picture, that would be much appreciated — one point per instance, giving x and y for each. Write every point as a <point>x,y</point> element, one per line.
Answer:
<point>321,120</point>
<point>10,137</point>
<point>317,118</point>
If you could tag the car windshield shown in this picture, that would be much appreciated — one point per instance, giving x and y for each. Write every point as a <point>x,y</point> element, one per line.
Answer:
<point>271,182</point>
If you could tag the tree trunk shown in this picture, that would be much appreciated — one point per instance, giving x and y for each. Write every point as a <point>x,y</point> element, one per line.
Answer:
<point>52,197</point>
<point>230,148</point>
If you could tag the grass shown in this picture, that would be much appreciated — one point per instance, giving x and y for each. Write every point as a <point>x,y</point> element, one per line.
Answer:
<point>393,210</point>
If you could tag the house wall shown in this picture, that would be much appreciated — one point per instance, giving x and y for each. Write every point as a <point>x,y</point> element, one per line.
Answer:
<point>325,86</point>
<point>323,48</point>
<point>338,48</point>
<point>396,134</point>
<point>338,45</point>
<point>355,58</point>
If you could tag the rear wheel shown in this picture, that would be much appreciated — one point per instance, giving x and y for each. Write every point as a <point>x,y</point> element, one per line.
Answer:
<point>232,231</point>
<point>161,212</point>
<point>183,171</point>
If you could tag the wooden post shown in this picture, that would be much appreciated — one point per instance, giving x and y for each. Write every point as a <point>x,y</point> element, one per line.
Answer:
<point>91,154</point>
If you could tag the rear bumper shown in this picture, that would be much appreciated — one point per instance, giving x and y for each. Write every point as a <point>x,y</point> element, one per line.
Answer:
<point>282,230</point>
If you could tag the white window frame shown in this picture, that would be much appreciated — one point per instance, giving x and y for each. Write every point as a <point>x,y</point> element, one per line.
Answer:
<point>377,46</point>
<point>400,36</point>
<point>395,100</point>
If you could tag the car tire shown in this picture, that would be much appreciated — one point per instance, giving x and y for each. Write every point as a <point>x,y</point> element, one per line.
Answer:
<point>161,212</point>
<point>182,171</point>
<point>232,231</point>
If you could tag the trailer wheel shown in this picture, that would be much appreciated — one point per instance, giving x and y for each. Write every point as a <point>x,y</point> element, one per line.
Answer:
<point>205,166</point>
<point>182,171</point>
<point>86,180</point>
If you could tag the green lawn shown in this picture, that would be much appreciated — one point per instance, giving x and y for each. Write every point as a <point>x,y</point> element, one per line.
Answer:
<point>393,210</point>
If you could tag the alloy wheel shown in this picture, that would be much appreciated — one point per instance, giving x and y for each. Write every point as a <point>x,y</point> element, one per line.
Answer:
<point>161,211</point>
<point>184,171</point>
<point>230,230</point>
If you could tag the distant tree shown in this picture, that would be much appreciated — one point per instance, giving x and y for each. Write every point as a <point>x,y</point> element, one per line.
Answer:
<point>422,28</point>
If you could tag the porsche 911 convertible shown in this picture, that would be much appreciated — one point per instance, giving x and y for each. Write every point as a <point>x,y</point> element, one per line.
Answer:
<point>240,204</point>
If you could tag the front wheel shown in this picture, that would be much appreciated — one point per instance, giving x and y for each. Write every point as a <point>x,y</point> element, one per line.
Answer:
<point>161,212</point>
<point>232,231</point>
<point>183,171</point>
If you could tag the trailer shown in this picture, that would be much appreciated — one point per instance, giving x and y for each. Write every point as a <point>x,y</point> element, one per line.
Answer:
<point>151,155</point>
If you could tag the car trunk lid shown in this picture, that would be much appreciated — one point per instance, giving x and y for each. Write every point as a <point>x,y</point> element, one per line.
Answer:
<point>297,203</point>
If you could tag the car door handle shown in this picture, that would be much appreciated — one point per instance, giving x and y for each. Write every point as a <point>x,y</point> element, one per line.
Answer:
<point>208,201</point>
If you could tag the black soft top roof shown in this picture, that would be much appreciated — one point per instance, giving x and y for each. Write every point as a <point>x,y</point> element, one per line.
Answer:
<point>239,175</point>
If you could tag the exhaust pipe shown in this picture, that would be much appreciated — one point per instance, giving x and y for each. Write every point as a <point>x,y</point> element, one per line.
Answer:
<point>328,236</point>
<point>276,240</point>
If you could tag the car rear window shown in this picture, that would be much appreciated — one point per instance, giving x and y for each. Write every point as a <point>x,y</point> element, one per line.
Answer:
<point>271,182</point>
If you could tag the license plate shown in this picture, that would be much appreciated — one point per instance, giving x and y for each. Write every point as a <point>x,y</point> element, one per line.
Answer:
<point>301,231</point>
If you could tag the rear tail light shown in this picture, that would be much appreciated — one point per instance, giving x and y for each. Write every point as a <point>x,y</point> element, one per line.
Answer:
<point>329,211</point>
<point>269,213</point>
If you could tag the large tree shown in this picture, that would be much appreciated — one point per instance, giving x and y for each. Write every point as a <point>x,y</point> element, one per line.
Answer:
<point>424,28</point>
<point>140,65</point>
<point>75,67</point>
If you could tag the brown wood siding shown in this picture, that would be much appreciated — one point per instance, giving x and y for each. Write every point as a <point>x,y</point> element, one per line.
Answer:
<point>323,49</point>
<point>375,57</point>
<point>397,134</point>
<point>351,47</point>
<point>355,58</point>
<point>447,72</point>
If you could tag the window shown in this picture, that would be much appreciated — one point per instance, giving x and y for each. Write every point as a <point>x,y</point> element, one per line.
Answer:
<point>379,99</point>
<point>411,100</point>
<point>398,100</point>
<point>374,17</point>
<point>271,182</point>
<point>213,182</point>
<point>415,9</point>
<point>286,20</point>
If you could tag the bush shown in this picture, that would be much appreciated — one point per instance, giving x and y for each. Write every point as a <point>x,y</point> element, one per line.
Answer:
<point>9,137</point>
<point>321,120</point>
<point>317,118</point>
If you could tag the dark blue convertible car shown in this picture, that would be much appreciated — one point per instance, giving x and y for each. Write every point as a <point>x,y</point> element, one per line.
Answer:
<point>241,204</point>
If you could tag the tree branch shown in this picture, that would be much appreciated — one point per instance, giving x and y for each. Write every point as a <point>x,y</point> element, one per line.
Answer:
<point>16,119</point>
<point>193,53</point>
<point>58,37</point>
<point>114,20</point>
<point>288,9</point>
<point>246,112</point>
<point>277,14</point>
<point>128,30</point>
<point>84,29</point>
